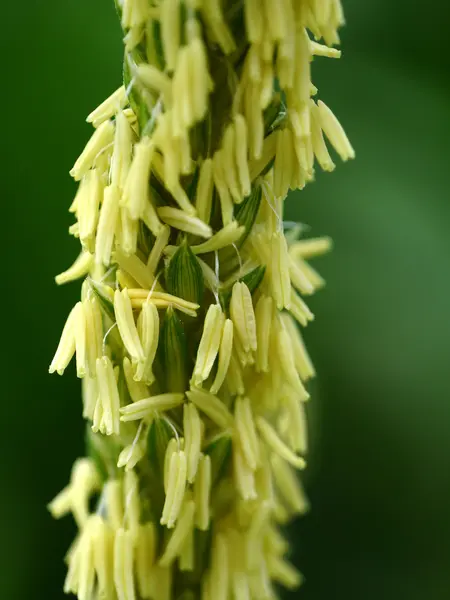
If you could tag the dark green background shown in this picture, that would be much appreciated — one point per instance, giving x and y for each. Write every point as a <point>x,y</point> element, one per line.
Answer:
<point>380,475</point>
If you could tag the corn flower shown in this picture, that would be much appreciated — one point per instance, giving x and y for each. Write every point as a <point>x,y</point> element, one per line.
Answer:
<point>187,332</point>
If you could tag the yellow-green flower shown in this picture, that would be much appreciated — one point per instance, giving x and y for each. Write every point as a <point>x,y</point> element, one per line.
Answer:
<point>186,335</point>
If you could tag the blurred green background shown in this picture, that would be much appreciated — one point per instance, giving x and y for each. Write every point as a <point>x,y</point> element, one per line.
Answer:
<point>380,478</point>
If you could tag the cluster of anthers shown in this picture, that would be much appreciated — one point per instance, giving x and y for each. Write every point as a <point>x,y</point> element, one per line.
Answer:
<point>186,336</point>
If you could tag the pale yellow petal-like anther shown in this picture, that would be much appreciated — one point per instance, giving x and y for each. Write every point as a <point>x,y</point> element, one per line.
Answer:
<point>127,327</point>
<point>133,266</point>
<point>245,358</point>
<point>84,480</point>
<point>264,480</point>
<point>99,422</point>
<point>122,151</point>
<point>318,143</point>
<point>144,409</point>
<point>284,167</point>
<point>302,360</point>
<point>273,541</point>
<point>157,250</point>
<point>335,132</point>
<point>212,281</point>
<point>173,446</point>
<point>322,50</point>
<point>215,22</point>
<point>226,202</point>
<point>127,233</point>
<point>289,485</point>
<point>80,578</point>
<point>109,214</point>
<point>148,328</point>
<point>257,164</point>
<point>132,501</point>
<point>108,397</point>
<point>214,408</point>
<point>225,352</point>
<point>243,316</point>
<point>175,489</point>
<point>263,317</point>
<point>146,546</point>
<point>186,558</point>
<point>153,296</point>
<point>302,76</point>
<point>255,121</point>
<point>131,455</point>
<point>310,248</point>
<point>150,218</point>
<point>266,92</point>
<point>254,556</point>
<point>155,79</point>
<point>241,154</point>
<point>134,13</point>
<point>243,475</point>
<point>135,192</point>
<point>205,188</point>
<point>227,236</point>
<point>66,346</point>
<point>161,582</point>
<point>89,393</point>
<point>299,310</point>
<point>182,529</point>
<point>202,493</point>
<point>170,31</point>
<point>202,83</point>
<point>78,199</point>
<point>273,441</point>
<point>271,213</point>
<point>281,283</point>
<point>80,268</point>
<point>296,425</point>
<point>234,379</point>
<point>229,167</point>
<point>88,208</point>
<point>259,582</point>
<point>276,20</point>
<point>169,175</point>
<point>184,222</point>
<point>137,303</point>
<point>183,148</point>
<point>104,558</point>
<point>284,572</point>
<point>284,354</point>
<point>182,112</point>
<point>108,108</point>
<point>123,565</point>
<point>246,431</point>
<point>80,339</point>
<point>220,572</point>
<point>299,279</point>
<point>137,389</point>
<point>209,344</point>
<point>101,138</point>
<point>321,10</point>
<point>254,21</point>
<point>124,279</point>
<point>113,496</point>
<point>192,439</point>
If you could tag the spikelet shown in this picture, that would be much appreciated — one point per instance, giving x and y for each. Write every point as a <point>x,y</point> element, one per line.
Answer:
<point>195,374</point>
